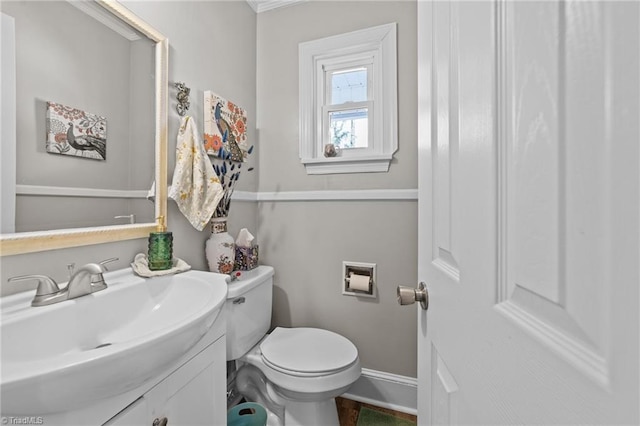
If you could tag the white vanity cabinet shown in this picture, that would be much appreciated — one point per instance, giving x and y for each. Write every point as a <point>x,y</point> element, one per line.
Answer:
<point>164,354</point>
<point>194,394</point>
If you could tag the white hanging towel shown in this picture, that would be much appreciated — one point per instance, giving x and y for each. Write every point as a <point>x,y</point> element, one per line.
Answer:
<point>195,187</point>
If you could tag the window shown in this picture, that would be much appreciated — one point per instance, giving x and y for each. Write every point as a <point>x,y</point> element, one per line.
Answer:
<point>346,107</point>
<point>348,100</point>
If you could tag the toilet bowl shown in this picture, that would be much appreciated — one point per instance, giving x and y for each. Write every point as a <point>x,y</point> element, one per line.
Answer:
<point>295,372</point>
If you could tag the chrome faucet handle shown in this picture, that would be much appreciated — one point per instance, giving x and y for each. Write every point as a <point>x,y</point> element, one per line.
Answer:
<point>86,280</point>
<point>104,262</point>
<point>46,285</point>
<point>47,292</point>
<point>97,280</point>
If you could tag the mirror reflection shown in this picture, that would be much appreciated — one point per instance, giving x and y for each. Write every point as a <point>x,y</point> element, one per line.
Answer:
<point>75,62</point>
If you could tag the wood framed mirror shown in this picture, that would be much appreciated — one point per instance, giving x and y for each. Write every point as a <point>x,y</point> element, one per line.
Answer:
<point>35,241</point>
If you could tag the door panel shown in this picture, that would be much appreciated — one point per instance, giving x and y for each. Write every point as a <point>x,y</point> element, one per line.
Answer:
<point>555,179</point>
<point>529,188</point>
<point>444,391</point>
<point>445,145</point>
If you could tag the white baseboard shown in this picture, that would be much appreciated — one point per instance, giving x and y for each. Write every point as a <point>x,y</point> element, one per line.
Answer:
<point>399,393</point>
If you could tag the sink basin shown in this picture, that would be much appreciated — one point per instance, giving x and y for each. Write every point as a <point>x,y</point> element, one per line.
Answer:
<point>65,356</point>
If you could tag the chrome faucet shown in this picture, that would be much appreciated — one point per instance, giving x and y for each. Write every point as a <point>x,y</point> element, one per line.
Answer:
<point>86,280</point>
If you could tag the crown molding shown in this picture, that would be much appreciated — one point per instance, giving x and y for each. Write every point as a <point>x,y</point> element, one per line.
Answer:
<point>263,5</point>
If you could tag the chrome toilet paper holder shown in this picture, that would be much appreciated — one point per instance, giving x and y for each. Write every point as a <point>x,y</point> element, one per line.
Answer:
<point>362,270</point>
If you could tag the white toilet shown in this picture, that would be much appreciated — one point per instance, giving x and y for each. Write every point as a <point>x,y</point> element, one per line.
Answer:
<point>294,372</point>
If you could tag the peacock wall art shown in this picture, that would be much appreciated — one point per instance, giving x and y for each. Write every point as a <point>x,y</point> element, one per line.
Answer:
<point>225,128</point>
<point>71,131</point>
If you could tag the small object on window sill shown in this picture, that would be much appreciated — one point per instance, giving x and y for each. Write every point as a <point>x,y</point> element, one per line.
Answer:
<point>330,150</point>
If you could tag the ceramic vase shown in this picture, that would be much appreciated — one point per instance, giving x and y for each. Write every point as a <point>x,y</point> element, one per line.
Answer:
<point>220,247</point>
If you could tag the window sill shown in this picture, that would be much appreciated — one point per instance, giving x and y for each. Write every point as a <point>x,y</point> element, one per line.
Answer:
<point>368,164</point>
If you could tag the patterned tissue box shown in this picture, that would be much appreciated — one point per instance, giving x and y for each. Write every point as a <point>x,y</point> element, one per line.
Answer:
<point>246,258</point>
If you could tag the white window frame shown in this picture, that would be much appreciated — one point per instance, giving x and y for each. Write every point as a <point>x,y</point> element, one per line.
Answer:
<point>372,47</point>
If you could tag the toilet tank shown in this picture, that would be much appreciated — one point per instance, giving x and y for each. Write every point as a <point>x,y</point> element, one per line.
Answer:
<point>248,310</point>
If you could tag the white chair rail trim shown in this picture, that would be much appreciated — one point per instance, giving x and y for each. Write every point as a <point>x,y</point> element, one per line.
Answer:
<point>330,195</point>
<point>267,196</point>
<point>62,191</point>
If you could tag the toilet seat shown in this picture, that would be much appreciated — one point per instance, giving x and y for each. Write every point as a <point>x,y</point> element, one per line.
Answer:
<point>307,352</point>
<point>318,380</point>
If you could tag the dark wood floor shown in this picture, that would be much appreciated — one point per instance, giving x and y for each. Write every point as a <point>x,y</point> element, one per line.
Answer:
<point>348,411</point>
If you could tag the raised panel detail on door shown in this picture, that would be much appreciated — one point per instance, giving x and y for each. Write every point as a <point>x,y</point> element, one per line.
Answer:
<point>552,178</point>
<point>444,392</point>
<point>445,145</point>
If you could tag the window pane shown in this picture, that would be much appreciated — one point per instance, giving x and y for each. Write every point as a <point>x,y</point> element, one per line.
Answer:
<point>350,128</point>
<point>349,86</point>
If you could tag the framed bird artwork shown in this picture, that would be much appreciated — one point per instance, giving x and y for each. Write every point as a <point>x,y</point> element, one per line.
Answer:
<point>71,131</point>
<point>225,128</point>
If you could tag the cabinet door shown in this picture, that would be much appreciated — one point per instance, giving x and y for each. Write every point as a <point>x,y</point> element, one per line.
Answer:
<point>194,403</point>
<point>193,395</point>
<point>196,393</point>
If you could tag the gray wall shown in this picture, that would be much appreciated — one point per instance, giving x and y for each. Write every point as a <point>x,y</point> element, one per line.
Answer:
<point>306,241</point>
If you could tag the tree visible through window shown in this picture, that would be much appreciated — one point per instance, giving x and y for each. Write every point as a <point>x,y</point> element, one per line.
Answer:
<point>350,129</point>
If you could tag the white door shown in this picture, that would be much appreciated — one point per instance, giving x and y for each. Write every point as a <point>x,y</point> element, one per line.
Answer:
<point>529,189</point>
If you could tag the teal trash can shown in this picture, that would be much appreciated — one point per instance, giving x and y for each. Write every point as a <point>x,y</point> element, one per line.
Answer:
<point>247,414</point>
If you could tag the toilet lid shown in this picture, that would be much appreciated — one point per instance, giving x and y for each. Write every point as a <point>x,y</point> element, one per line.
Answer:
<point>308,350</point>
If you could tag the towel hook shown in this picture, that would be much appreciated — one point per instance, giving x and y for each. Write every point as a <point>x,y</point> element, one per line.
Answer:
<point>183,98</point>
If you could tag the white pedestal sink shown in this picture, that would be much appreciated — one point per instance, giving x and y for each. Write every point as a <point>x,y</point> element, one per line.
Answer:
<point>71,354</point>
